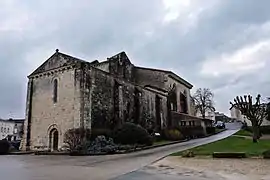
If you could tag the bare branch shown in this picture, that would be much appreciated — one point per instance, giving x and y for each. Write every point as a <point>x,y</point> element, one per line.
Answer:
<point>256,112</point>
<point>203,99</point>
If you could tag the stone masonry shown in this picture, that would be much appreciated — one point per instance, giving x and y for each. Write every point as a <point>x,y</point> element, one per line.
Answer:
<point>66,92</point>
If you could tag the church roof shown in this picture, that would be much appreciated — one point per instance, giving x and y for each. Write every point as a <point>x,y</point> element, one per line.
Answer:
<point>59,59</point>
<point>171,74</point>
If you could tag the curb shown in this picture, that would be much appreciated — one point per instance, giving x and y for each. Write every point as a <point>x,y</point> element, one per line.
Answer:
<point>20,153</point>
<point>215,133</point>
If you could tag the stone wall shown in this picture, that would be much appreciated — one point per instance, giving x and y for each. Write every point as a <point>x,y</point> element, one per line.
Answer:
<point>163,81</point>
<point>106,113</point>
<point>101,98</point>
<point>104,66</point>
<point>121,67</point>
<point>180,88</point>
<point>146,77</point>
<point>46,115</point>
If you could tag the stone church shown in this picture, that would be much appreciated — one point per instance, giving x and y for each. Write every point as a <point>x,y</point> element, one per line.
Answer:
<point>66,92</point>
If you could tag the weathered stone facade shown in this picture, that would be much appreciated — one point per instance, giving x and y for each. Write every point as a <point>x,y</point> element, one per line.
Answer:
<point>66,92</point>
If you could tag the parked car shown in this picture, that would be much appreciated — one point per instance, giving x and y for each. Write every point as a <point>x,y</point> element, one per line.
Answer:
<point>220,125</point>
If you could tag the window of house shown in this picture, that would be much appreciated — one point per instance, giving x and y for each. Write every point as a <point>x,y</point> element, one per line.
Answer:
<point>183,123</point>
<point>55,90</point>
<point>190,123</point>
<point>8,130</point>
<point>4,130</point>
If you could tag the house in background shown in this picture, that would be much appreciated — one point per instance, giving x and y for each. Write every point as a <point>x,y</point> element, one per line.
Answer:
<point>11,129</point>
<point>208,115</point>
<point>237,115</point>
<point>222,117</point>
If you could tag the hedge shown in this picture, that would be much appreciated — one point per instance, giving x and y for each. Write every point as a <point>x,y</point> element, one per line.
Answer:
<point>131,133</point>
<point>4,147</point>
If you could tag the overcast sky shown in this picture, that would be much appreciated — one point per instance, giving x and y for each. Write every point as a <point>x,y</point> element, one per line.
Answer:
<point>220,44</point>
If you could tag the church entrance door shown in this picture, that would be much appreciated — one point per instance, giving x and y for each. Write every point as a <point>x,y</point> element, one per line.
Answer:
<point>54,138</point>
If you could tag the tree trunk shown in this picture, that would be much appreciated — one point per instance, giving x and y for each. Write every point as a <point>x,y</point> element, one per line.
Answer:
<point>203,116</point>
<point>259,133</point>
<point>256,132</point>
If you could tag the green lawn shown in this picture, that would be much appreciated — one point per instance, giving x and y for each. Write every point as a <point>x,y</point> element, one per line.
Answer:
<point>243,133</point>
<point>232,144</point>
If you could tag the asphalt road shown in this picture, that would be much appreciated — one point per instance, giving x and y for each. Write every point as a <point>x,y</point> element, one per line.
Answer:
<point>118,167</point>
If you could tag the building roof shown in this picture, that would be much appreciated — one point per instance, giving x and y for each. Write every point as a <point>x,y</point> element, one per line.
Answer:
<point>171,74</point>
<point>13,120</point>
<point>94,63</point>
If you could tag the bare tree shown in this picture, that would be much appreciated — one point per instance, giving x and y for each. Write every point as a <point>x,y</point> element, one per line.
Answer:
<point>255,113</point>
<point>203,99</point>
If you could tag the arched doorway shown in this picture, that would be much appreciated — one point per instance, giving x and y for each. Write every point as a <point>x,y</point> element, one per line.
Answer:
<point>54,138</point>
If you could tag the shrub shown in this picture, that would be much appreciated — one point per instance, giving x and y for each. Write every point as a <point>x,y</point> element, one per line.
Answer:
<point>131,133</point>
<point>76,138</point>
<point>172,134</point>
<point>265,129</point>
<point>15,145</point>
<point>188,153</point>
<point>100,132</point>
<point>210,130</point>
<point>102,145</point>
<point>4,146</point>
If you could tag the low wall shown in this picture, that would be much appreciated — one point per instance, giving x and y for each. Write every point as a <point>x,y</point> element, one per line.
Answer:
<point>190,125</point>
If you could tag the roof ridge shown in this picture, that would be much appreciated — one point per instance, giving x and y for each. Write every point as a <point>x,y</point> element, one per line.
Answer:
<point>63,54</point>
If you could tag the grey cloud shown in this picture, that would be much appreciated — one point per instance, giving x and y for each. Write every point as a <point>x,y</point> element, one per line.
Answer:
<point>97,29</point>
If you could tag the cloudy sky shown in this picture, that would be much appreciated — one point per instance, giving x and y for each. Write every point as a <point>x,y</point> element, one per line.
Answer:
<point>220,44</point>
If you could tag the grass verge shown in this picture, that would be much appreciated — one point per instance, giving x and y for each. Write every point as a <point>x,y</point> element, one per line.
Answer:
<point>243,133</point>
<point>231,144</point>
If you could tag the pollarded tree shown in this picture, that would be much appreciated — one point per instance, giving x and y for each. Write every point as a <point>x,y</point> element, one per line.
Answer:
<point>203,99</point>
<point>254,112</point>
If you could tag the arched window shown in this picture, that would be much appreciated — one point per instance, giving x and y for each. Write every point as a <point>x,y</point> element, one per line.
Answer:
<point>172,98</point>
<point>55,90</point>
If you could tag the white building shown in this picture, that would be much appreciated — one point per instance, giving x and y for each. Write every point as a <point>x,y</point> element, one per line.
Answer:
<point>236,114</point>
<point>208,115</point>
<point>11,129</point>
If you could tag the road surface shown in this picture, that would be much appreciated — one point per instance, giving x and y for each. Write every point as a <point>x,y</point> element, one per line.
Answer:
<point>121,166</point>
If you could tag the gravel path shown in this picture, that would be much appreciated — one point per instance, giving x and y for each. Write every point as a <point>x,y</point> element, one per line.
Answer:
<point>208,168</point>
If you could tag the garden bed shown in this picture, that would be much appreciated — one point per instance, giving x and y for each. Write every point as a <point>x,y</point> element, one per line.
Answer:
<point>130,150</point>
<point>139,148</point>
